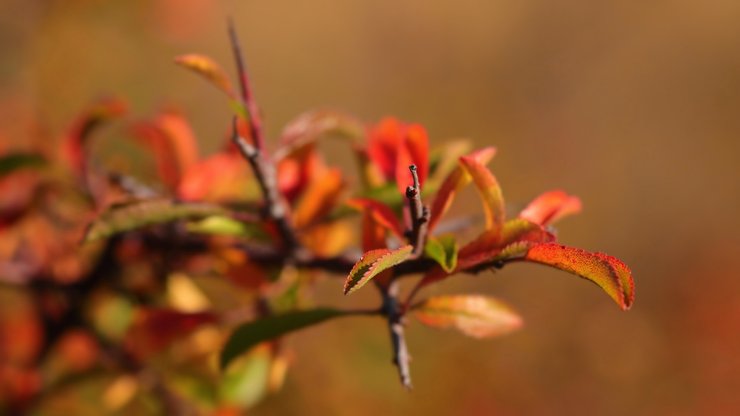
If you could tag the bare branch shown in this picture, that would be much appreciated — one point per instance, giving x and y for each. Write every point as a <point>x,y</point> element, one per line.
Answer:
<point>419,215</point>
<point>394,313</point>
<point>245,90</point>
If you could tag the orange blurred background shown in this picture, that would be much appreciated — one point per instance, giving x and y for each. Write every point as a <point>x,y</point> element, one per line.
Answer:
<point>633,106</point>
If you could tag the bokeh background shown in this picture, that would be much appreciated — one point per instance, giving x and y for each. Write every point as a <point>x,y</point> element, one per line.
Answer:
<point>634,106</point>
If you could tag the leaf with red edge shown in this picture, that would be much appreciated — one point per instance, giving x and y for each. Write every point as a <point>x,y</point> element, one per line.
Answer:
<point>606,271</point>
<point>489,191</point>
<point>73,143</point>
<point>382,214</point>
<point>550,207</point>
<point>318,199</point>
<point>372,263</point>
<point>207,68</point>
<point>473,315</point>
<point>454,182</point>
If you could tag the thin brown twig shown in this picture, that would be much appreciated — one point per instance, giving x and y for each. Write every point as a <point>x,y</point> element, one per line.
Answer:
<point>419,215</point>
<point>245,90</point>
<point>394,313</point>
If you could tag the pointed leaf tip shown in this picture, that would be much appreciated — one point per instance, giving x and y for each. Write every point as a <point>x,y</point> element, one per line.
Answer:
<point>373,263</point>
<point>613,276</point>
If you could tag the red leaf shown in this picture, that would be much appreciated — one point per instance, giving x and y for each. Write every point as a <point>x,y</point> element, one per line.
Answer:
<point>454,182</point>
<point>173,143</point>
<point>373,234</point>
<point>73,144</point>
<point>489,191</point>
<point>221,177</point>
<point>606,271</point>
<point>393,146</point>
<point>382,214</point>
<point>550,207</point>
<point>413,150</point>
<point>156,328</point>
<point>318,199</point>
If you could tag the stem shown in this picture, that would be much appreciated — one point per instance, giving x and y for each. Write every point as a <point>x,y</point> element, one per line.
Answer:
<point>394,313</point>
<point>275,206</point>
<point>245,90</point>
<point>419,215</point>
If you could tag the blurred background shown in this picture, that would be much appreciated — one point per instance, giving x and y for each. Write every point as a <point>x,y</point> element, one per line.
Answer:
<point>633,106</point>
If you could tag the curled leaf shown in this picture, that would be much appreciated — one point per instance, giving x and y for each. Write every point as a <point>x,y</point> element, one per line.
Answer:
<point>489,191</point>
<point>473,315</point>
<point>454,182</point>
<point>606,271</point>
<point>443,250</point>
<point>252,333</point>
<point>121,218</point>
<point>207,68</point>
<point>550,207</point>
<point>372,263</point>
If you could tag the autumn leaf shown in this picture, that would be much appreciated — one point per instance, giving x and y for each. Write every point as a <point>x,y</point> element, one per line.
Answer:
<point>309,127</point>
<point>443,250</point>
<point>208,69</point>
<point>154,329</point>
<point>489,191</point>
<point>382,214</point>
<point>474,315</point>
<point>393,146</point>
<point>252,333</point>
<point>122,218</point>
<point>372,263</point>
<point>550,207</point>
<point>318,198</point>
<point>74,141</point>
<point>606,271</point>
<point>454,182</point>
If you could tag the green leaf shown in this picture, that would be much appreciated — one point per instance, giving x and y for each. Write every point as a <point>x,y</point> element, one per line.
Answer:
<point>443,250</point>
<point>121,218</point>
<point>474,315</point>
<point>252,333</point>
<point>11,162</point>
<point>246,382</point>
<point>222,225</point>
<point>607,272</point>
<point>373,263</point>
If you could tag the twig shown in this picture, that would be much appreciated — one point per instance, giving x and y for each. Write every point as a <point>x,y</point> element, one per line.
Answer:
<point>392,309</point>
<point>419,215</point>
<point>275,206</point>
<point>245,89</point>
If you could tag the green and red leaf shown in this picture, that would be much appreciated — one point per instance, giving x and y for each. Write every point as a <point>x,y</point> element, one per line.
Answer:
<point>127,217</point>
<point>252,333</point>
<point>474,315</point>
<point>454,182</point>
<point>372,263</point>
<point>608,272</point>
<point>550,207</point>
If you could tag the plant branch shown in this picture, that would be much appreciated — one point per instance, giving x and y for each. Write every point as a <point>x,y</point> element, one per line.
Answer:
<point>275,206</point>
<point>419,215</point>
<point>245,89</point>
<point>394,313</point>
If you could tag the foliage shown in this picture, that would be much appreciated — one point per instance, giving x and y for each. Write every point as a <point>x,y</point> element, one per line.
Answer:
<point>126,271</point>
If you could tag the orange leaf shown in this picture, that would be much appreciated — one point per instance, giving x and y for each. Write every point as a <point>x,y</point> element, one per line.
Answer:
<point>413,150</point>
<point>393,146</point>
<point>318,199</point>
<point>382,214</point>
<point>455,181</point>
<point>474,315</point>
<point>550,207</point>
<point>606,271</point>
<point>207,68</point>
<point>489,191</point>
<point>223,176</point>
<point>373,234</point>
<point>373,263</point>
<point>73,144</point>
<point>173,143</point>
